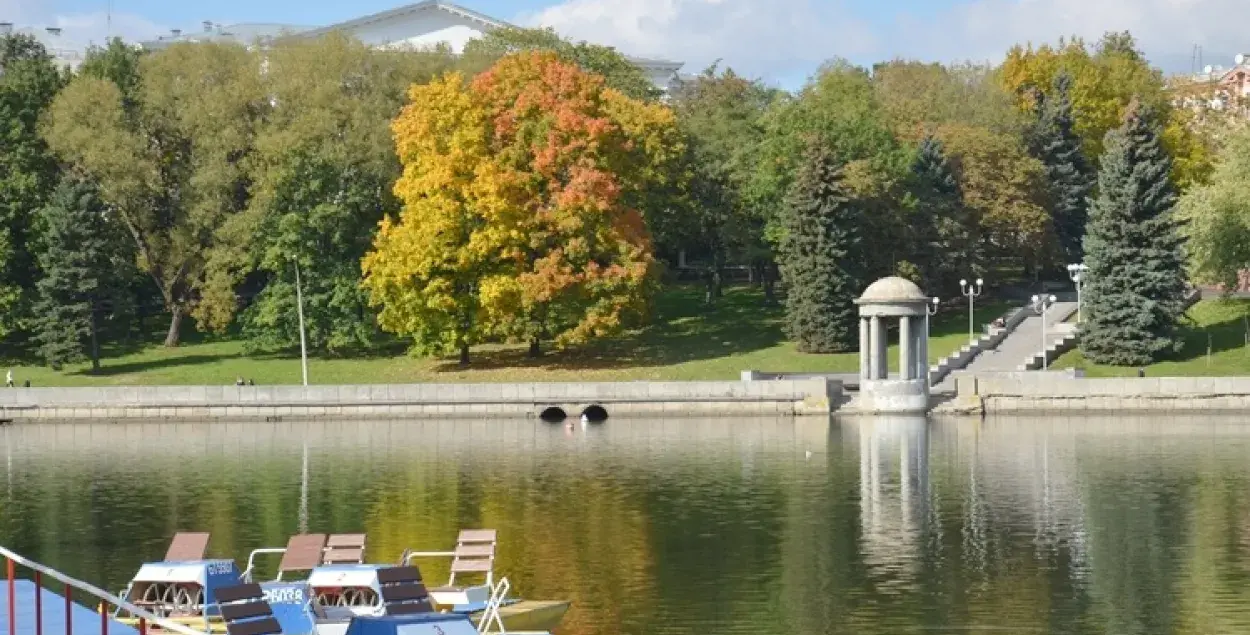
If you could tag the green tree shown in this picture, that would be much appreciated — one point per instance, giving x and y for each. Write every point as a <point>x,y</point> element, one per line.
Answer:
<point>618,71</point>
<point>1069,175</point>
<point>1217,217</point>
<point>320,173</point>
<point>174,167</point>
<point>818,257</point>
<point>720,114</point>
<point>83,267</point>
<point>940,234</point>
<point>29,80</point>
<point>1133,248</point>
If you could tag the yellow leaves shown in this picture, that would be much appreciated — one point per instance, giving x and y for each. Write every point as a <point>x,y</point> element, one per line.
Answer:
<point>518,218</point>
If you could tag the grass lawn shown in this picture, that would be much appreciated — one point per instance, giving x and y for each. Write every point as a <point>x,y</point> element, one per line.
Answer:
<point>687,341</point>
<point>1223,321</point>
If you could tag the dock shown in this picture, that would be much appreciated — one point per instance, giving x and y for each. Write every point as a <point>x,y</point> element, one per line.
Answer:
<point>56,615</point>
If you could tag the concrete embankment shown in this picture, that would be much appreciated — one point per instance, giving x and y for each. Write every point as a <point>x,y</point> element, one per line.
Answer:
<point>409,401</point>
<point>1059,392</point>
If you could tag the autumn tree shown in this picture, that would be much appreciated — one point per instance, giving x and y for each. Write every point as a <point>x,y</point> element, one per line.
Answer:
<point>566,164</point>
<point>1069,175</point>
<point>29,80</point>
<point>1133,247</point>
<point>1105,78</point>
<point>515,220</point>
<point>1004,195</point>
<point>172,164</point>
<point>819,257</point>
<point>618,72</point>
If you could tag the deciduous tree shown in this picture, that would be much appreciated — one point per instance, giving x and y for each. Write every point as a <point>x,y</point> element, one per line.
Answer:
<point>173,167</point>
<point>1135,281</point>
<point>29,80</point>
<point>1217,217</point>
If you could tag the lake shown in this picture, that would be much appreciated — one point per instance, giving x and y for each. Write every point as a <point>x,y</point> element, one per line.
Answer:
<point>1117,525</point>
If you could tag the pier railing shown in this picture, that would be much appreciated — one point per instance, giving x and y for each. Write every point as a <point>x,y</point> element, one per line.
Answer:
<point>97,595</point>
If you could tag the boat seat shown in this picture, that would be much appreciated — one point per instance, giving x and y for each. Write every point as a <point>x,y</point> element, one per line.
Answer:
<point>245,611</point>
<point>303,553</point>
<point>403,593</point>
<point>187,547</point>
<point>475,553</point>
<point>344,549</point>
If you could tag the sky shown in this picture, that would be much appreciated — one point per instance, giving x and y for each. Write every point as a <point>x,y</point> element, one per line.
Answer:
<point>780,41</point>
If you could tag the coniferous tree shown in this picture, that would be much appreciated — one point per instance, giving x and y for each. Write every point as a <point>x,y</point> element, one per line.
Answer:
<point>1069,175</point>
<point>80,261</point>
<point>942,240</point>
<point>817,256</point>
<point>1134,249</point>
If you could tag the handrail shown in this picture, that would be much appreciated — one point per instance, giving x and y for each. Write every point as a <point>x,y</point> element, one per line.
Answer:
<point>246,576</point>
<point>93,590</point>
<point>490,615</point>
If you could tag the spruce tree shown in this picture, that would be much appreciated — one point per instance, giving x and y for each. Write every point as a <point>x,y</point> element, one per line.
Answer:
<point>818,253</point>
<point>941,239</point>
<point>1069,176</point>
<point>77,263</point>
<point>1134,249</point>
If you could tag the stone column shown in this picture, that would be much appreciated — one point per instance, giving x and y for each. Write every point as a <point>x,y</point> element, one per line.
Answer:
<point>865,350</point>
<point>922,348</point>
<point>906,340</point>
<point>876,339</point>
<point>881,353</point>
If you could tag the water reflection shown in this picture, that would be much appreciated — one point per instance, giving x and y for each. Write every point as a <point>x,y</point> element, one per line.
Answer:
<point>888,525</point>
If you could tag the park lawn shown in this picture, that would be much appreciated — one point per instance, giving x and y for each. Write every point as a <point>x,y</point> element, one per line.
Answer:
<point>1223,320</point>
<point>687,341</point>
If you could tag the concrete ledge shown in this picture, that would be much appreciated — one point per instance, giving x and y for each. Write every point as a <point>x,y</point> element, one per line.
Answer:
<point>811,396</point>
<point>1060,391</point>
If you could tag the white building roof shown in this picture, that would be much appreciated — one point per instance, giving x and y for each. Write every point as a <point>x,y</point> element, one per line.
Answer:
<point>249,33</point>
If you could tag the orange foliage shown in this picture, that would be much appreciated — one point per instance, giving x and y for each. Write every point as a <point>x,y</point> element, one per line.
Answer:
<point>559,247</point>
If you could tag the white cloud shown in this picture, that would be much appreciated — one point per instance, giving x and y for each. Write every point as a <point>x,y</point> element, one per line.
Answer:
<point>759,37</point>
<point>777,38</point>
<point>78,29</point>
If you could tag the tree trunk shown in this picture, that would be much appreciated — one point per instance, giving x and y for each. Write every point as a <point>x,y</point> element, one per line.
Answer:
<point>464,353</point>
<point>535,348</point>
<point>95,345</point>
<point>175,327</point>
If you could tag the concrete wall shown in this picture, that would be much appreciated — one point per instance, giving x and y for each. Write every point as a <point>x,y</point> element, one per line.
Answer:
<point>789,397</point>
<point>1064,392</point>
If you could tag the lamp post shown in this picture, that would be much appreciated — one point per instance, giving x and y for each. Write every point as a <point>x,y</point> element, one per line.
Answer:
<point>972,292</point>
<point>1041,303</point>
<point>303,346</point>
<point>929,311</point>
<point>1077,272</point>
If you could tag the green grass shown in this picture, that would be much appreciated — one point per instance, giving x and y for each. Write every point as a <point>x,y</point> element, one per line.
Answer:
<point>687,341</point>
<point>1223,320</point>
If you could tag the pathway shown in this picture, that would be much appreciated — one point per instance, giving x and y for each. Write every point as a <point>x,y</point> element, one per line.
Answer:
<point>1025,341</point>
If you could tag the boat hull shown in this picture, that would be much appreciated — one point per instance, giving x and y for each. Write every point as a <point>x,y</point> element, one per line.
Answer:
<point>530,615</point>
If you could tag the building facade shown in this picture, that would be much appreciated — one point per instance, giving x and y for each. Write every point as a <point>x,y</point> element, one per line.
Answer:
<point>422,24</point>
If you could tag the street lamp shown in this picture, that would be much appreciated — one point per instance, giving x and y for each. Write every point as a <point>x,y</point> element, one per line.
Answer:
<point>1041,304</point>
<point>972,292</point>
<point>299,302</point>
<point>1077,273</point>
<point>930,311</point>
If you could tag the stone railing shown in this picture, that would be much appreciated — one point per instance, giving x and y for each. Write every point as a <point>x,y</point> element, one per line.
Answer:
<point>968,352</point>
<point>1067,391</point>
